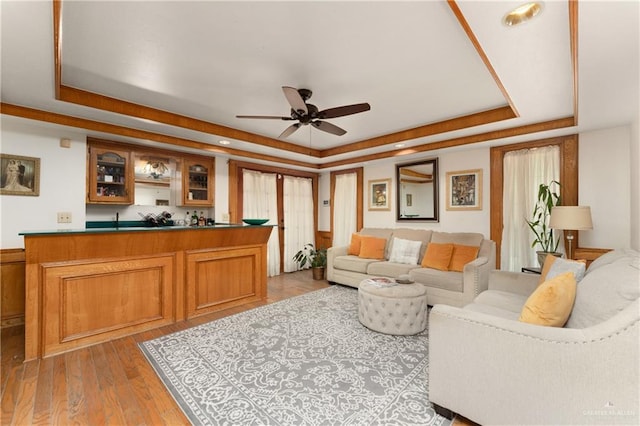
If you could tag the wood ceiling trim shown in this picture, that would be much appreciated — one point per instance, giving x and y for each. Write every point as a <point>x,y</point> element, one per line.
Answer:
<point>106,103</point>
<point>573,34</point>
<point>83,123</point>
<point>471,120</point>
<point>474,40</point>
<point>465,140</point>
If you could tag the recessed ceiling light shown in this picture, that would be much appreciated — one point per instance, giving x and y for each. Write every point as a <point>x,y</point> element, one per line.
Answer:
<point>225,142</point>
<point>522,14</point>
<point>399,145</point>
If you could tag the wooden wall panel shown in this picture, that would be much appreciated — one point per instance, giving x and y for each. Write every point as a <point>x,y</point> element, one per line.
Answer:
<point>91,302</point>
<point>221,279</point>
<point>12,286</point>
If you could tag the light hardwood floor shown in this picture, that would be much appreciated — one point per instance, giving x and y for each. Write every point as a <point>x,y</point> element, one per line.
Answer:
<point>108,383</point>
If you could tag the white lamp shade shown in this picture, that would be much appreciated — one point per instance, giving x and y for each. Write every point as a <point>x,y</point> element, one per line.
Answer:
<point>571,217</point>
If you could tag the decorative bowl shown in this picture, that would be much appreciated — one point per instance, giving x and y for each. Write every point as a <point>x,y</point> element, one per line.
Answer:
<point>255,221</point>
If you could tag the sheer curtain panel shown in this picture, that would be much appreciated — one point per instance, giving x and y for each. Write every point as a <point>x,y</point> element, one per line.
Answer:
<point>298,218</point>
<point>344,208</point>
<point>260,201</point>
<point>524,171</point>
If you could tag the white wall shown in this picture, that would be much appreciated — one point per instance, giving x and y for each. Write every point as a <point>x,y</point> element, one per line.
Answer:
<point>609,182</point>
<point>635,185</point>
<point>450,221</point>
<point>62,179</point>
<point>605,184</point>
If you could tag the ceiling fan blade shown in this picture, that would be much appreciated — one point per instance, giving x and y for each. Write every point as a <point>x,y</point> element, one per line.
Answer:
<point>267,117</point>
<point>328,127</point>
<point>294,99</point>
<point>289,130</point>
<point>341,111</point>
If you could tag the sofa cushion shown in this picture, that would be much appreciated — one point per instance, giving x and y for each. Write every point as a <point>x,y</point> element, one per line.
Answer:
<point>389,269</point>
<point>550,304</point>
<point>445,280</point>
<point>353,263</point>
<point>438,256</point>
<point>354,246</point>
<point>494,311</point>
<point>503,300</point>
<point>405,251</point>
<point>607,290</point>
<point>372,247</point>
<point>461,256</point>
<point>607,259</point>
<point>422,235</point>
<point>463,238</point>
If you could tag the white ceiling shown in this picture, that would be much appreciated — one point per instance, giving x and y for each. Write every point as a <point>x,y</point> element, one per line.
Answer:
<point>411,60</point>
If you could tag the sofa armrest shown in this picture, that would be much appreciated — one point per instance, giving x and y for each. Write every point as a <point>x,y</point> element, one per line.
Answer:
<point>332,253</point>
<point>476,273</point>
<point>498,371</point>
<point>513,282</point>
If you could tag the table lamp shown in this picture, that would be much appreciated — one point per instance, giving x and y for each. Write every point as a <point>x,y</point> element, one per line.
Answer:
<point>570,219</point>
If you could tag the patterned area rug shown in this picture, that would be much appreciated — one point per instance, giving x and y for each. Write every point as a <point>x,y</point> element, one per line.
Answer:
<point>302,361</point>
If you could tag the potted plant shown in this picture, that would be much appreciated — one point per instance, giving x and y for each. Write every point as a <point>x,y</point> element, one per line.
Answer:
<point>539,224</point>
<point>316,258</point>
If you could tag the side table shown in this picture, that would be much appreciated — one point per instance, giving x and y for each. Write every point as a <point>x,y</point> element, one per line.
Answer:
<point>532,269</point>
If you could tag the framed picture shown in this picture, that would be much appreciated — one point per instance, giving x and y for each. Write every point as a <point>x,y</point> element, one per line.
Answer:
<point>464,190</point>
<point>380,194</point>
<point>20,175</point>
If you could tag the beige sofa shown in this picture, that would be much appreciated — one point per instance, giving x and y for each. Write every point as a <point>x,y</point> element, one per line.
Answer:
<point>487,366</point>
<point>452,288</point>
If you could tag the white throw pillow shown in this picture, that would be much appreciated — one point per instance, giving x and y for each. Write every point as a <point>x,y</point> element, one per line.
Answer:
<point>405,251</point>
<point>561,266</point>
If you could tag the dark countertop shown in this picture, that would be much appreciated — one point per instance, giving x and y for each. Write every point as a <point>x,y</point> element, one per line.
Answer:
<point>132,226</point>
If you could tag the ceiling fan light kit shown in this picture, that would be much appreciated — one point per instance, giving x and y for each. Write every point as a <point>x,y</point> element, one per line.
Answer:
<point>306,113</point>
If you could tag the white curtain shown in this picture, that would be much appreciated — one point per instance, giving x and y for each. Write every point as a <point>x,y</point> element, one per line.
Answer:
<point>298,218</point>
<point>260,201</point>
<point>524,171</point>
<point>344,208</point>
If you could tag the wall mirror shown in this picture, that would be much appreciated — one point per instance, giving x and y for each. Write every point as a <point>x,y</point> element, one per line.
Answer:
<point>417,191</point>
<point>156,180</point>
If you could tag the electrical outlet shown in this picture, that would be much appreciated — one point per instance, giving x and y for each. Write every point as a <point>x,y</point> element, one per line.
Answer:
<point>225,217</point>
<point>64,217</point>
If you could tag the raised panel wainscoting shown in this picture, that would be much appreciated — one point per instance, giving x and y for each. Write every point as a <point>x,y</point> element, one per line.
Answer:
<point>90,286</point>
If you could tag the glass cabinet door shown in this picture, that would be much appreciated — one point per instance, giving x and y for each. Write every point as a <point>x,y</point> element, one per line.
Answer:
<point>197,183</point>
<point>109,176</point>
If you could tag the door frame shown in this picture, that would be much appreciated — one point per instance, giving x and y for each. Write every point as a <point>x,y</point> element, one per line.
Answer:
<point>236,169</point>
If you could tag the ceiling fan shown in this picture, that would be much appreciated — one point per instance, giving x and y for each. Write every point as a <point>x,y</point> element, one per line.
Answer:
<point>306,113</point>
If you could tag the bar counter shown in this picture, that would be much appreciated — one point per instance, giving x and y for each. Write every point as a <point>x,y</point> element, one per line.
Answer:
<point>92,285</point>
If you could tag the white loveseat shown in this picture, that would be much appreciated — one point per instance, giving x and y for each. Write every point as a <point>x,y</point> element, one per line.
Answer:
<point>449,287</point>
<point>487,366</point>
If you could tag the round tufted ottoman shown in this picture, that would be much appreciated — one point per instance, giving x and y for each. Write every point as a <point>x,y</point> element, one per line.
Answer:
<point>399,309</point>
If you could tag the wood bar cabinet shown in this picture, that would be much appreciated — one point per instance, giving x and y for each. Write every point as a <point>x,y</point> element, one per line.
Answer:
<point>92,285</point>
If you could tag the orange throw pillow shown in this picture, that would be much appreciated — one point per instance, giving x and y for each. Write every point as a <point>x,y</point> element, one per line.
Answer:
<point>461,256</point>
<point>552,302</point>
<point>372,247</point>
<point>438,256</point>
<point>354,247</point>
